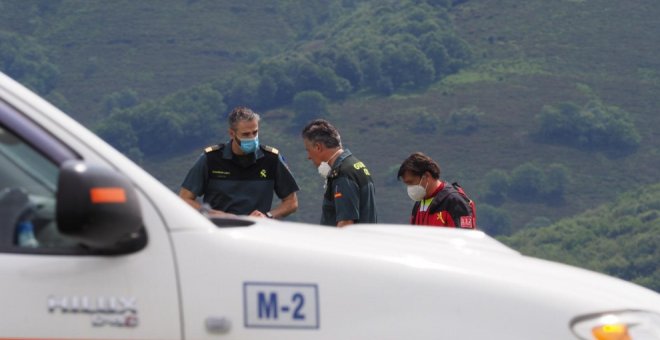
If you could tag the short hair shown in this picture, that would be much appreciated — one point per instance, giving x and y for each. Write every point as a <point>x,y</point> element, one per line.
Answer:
<point>241,114</point>
<point>321,131</point>
<point>419,163</point>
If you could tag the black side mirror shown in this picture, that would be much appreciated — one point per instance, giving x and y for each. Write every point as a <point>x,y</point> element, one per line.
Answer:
<point>98,208</point>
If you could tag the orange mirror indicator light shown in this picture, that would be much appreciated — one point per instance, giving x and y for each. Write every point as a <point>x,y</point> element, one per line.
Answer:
<point>107,195</point>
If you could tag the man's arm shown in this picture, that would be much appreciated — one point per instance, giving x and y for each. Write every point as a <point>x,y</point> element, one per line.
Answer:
<point>457,208</point>
<point>347,201</point>
<point>190,198</point>
<point>288,206</point>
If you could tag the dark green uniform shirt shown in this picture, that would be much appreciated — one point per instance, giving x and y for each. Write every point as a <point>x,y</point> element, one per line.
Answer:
<point>240,184</point>
<point>350,192</point>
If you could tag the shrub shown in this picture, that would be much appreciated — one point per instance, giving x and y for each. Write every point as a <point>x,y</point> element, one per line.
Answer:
<point>531,183</point>
<point>465,120</point>
<point>497,185</point>
<point>407,66</point>
<point>308,105</point>
<point>423,121</point>
<point>493,221</point>
<point>184,119</point>
<point>119,100</point>
<point>594,126</point>
<point>555,181</point>
<point>27,62</point>
<point>538,222</point>
<point>526,182</point>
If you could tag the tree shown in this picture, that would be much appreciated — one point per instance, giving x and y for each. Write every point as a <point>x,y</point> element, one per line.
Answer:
<point>347,66</point>
<point>119,133</point>
<point>266,92</point>
<point>199,112</point>
<point>493,221</point>
<point>371,64</point>
<point>119,100</point>
<point>448,52</point>
<point>407,66</point>
<point>242,91</point>
<point>463,121</point>
<point>497,186</point>
<point>279,71</point>
<point>307,106</point>
<point>594,126</point>
<point>27,62</point>
<point>526,182</point>
<point>555,181</point>
<point>423,121</point>
<point>310,77</point>
<point>158,131</point>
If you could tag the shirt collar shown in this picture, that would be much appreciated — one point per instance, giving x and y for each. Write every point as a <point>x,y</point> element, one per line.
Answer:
<point>341,158</point>
<point>437,190</point>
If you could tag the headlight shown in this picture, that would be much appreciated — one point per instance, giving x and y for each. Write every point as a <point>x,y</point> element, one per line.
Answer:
<point>620,325</point>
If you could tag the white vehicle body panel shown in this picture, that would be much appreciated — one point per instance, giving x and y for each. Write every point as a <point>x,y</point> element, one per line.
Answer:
<point>307,281</point>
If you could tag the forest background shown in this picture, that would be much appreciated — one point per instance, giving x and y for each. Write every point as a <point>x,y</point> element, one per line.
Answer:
<point>544,111</point>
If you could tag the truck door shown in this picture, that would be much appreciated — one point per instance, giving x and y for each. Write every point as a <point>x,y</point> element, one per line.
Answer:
<point>54,287</point>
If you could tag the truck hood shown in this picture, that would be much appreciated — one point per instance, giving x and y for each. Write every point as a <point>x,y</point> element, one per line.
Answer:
<point>406,274</point>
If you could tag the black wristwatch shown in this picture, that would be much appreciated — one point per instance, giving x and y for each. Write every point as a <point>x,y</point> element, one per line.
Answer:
<point>269,215</point>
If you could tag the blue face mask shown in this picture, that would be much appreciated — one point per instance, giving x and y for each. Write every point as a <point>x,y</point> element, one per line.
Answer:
<point>249,145</point>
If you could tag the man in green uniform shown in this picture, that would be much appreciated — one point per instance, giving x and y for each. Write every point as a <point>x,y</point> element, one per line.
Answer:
<point>240,176</point>
<point>349,191</point>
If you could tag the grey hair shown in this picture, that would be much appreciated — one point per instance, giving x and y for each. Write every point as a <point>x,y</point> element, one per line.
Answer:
<point>321,131</point>
<point>241,114</point>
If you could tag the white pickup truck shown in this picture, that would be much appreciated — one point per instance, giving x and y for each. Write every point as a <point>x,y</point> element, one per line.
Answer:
<point>117,255</point>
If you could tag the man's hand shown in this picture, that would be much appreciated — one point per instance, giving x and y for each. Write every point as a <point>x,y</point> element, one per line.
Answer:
<point>344,223</point>
<point>257,213</point>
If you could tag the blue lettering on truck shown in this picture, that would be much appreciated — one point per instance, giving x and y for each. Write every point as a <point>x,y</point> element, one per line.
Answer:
<point>267,306</point>
<point>281,305</point>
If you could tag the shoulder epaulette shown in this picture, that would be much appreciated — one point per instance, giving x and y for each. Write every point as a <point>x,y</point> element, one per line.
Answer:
<point>334,173</point>
<point>270,149</point>
<point>212,148</point>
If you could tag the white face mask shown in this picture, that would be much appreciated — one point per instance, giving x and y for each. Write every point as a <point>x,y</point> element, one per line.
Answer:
<point>417,192</point>
<point>324,168</point>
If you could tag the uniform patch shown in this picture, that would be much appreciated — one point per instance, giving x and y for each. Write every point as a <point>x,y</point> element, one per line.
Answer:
<point>439,217</point>
<point>466,221</point>
<point>338,195</point>
<point>262,173</point>
<point>211,148</point>
<point>221,173</point>
<point>270,149</point>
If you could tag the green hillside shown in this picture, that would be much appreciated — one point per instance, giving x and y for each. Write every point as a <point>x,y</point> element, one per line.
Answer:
<point>542,110</point>
<point>152,47</point>
<point>621,238</point>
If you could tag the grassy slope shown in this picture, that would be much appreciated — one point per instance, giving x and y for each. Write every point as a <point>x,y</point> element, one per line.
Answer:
<point>540,53</point>
<point>620,238</point>
<point>153,47</point>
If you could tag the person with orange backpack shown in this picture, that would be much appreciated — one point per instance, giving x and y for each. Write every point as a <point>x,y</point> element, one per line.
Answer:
<point>437,203</point>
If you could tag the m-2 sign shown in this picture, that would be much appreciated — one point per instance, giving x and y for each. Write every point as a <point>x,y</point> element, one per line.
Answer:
<point>281,305</point>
